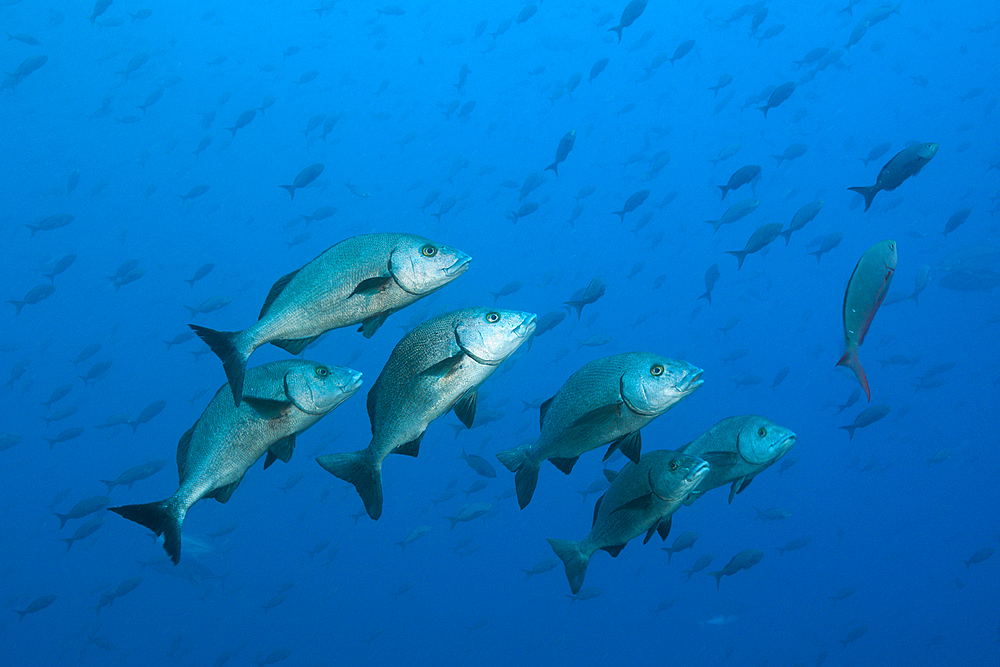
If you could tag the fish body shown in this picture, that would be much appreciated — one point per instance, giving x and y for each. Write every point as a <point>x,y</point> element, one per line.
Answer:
<point>282,399</point>
<point>735,212</point>
<point>779,95</point>
<point>361,280</point>
<point>436,367</point>
<point>801,218</point>
<point>760,239</point>
<point>865,291</point>
<point>740,177</point>
<point>744,560</point>
<point>712,276</point>
<point>565,146</point>
<point>594,291</point>
<point>738,449</point>
<point>904,164</point>
<point>866,418</point>
<point>632,11</point>
<point>641,499</point>
<point>304,177</point>
<point>606,401</point>
<point>632,203</point>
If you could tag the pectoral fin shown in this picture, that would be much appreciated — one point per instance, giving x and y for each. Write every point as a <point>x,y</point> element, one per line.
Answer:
<point>630,445</point>
<point>663,528</point>
<point>276,289</point>
<point>719,461</point>
<point>465,408</point>
<point>371,325</point>
<point>372,286</point>
<point>280,450</point>
<point>444,367</point>
<point>641,503</point>
<point>267,408</point>
<point>597,415</point>
<point>738,486</point>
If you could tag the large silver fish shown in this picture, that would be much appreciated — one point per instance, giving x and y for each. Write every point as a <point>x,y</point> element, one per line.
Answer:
<point>606,401</point>
<point>361,280</point>
<point>641,499</point>
<point>434,368</point>
<point>282,399</point>
<point>738,449</point>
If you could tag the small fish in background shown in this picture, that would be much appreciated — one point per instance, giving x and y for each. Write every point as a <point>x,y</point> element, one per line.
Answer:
<point>712,276</point>
<point>632,203</point>
<point>904,164</point>
<point>866,290</point>
<point>304,178</point>
<point>563,150</point>
<point>740,177</point>
<point>866,418</point>
<point>744,560</point>
<point>632,11</point>
<point>594,291</point>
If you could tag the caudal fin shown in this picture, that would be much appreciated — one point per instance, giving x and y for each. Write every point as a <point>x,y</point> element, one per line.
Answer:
<point>234,360</point>
<point>707,295</point>
<point>715,225</point>
<point>359,469</point>
<point>740,255</point>
<point>525,473</point>
<point>850,430</point>
<point>554,167</point>
<point>867,192</point>
<point>291,190</point>
<point>617,29</point>
<point>724,189</point>
<point>163,518</point>
<point>575,561</point>
<point>718,577</point>
<point>787,234</point>
<point>111,484</point>
<point>851,360</point>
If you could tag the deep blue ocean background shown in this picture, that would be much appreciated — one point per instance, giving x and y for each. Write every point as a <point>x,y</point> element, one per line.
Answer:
<point>893,513</point>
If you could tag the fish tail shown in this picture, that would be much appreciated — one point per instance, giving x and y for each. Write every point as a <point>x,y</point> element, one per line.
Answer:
<point>788,236</point>
<point>69,541</point>
<point>290,188</point>
<point>764,110</point>
<point>818,254</point>
<point>163,518</point>
<point>109,483</point>
<point>620,214</point>
<point>574,559</point>
<point>554,167</point>
<point>579,307</point>
<point>227,346</point>
<point>779,158</point>
<point>850,430</point>
<point>688,573</point>
<point>525,473</point>
<point>914,296</point>
<point>454,521</point>
<point>740,255</point>
<point>359,469</point>
<point>868,193</point>
<point>233,130</point>
<point>718,577</point>
<point>715,225</point>
<point>17,304</point>
<point>617,29</point>
<point>851,360</point>
<point>63,518</point>
<point>707,295</point>
<point>670,554</point>
<point>527,573</point>
<point>724,189</point>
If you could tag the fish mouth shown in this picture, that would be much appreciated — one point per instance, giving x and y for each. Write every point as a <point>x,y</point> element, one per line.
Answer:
<point>693,382</point>
<point>697,472</point>
<point>353,383</point>
<point>459,267</point>
<point>526,327</point>
<point>785,443</point>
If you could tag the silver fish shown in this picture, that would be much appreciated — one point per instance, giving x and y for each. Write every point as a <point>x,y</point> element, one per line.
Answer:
<point>283,399</point>
<point>738,449</point>
<point>607,401</point>
<point>641,499</point>
<point>361,280</point>
<point>434,368</point>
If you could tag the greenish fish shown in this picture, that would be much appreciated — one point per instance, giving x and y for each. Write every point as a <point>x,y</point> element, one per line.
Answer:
<point>361,280</point>
<point>641,499</point>
<point>436,367</point>
<point>738,449</point>
<point>607,401</point>
<point>865,291</point>
<point>282,399</point>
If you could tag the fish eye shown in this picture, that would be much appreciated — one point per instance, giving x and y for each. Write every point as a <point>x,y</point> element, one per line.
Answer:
<point>656,370</point>
<point>322,371</point>
<point>762,432</point>
<point>428,251</point>
<point>493,317</point>
<point>673,466</point>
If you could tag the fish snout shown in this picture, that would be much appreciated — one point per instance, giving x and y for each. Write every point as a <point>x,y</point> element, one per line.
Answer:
<point>352,382</point>
<point>460,266</point>
<point>527,325</point>
<point>698,472</point>
<point>692,380</point>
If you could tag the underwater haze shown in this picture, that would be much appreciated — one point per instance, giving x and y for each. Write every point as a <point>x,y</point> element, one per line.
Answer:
<point>669,178</point>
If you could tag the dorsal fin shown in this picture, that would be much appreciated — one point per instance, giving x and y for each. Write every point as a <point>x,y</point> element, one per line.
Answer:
<point>542,410</point>
<point>565,465</point>
<point>614,550</point>
<point>411,448</point>
<point>276,289</point>
<point>372,393</point>
<point>597,508</point>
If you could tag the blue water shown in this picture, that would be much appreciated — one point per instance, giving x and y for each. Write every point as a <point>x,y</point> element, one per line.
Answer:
<point>883,520</point>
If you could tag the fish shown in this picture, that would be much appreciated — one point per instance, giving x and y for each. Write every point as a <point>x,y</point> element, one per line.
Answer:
<point>740,177</point>
<point>64,263</point>
<point>801,218</point>
<point>50,223</point>
<point>608,400</point>
<point>594,291</point>
<point>543,566</point>
<point>866,418</point>
<point>956,219</point>
<point>44,601</point>
<point>792,152</point>
<point>85,507</point>
<point>304,178</point>
<point>779,95</point>
<point>549,321</point>
<point>703,561</point>
<point>641,499</point>
<point>479,464</point>
<point>526,208</point>
<point>242,121</point>
<point>830,241</point>
<point>632,203</point>
<point>361,280</point>
<point>976,280</point>
<point>436,367</point>
<point>744,560</point>
<point>772,514</point>
<point>282,399</point>
<point>760,239</point>
<point>684,541</point>
<point>865,291</point>
<point>470,513</point>
<point>712,276</point>
<point>414,535</point>
<point>135,474</point>
<point>738,449</point>
<point>562,151</point>
<point>737,211</point>
<point>202,271</point>
<point>508,289</point>
<point>35,295</point>
<point>632,11</point>
<point>876,152</point>
<point>904,164</point>
<point>597,68</point>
